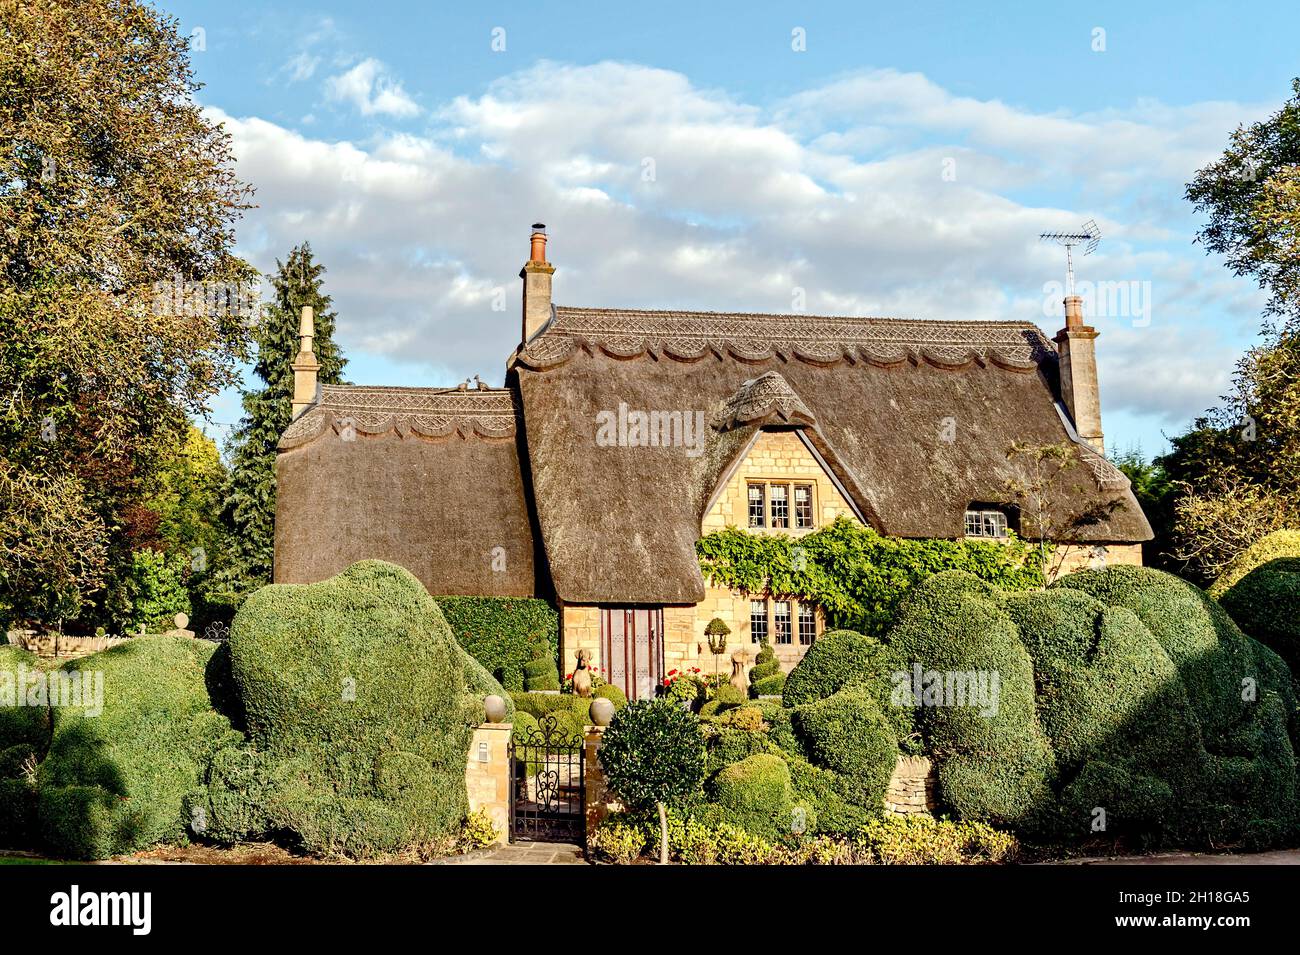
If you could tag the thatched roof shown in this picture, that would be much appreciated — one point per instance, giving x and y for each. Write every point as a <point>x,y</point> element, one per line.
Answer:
<point>424,477</point>
<point>876,399</point>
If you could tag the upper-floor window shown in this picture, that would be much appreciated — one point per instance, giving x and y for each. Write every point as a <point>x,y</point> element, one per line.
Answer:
<point>757,505</point>
<point>780,505</point>
<point>803,506</point>
<point>986,523</point>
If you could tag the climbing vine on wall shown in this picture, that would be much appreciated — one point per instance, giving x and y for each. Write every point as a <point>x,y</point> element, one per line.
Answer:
<point>857,576</point>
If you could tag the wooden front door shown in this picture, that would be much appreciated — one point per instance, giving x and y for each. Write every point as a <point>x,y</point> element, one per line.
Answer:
<point>632,649</point>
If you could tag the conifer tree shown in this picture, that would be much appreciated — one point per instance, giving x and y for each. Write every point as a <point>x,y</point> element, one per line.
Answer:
<point>248,509</point>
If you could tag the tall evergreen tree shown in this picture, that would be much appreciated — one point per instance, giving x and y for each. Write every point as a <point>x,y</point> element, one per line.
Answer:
<point>248,508</point>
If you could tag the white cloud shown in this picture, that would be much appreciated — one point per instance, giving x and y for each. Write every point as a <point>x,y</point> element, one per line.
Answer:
<point>371,90</point>
<point>301,66</point>
<point>659,193</point>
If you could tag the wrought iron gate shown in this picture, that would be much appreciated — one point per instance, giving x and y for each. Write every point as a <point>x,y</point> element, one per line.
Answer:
<point>546,773</point>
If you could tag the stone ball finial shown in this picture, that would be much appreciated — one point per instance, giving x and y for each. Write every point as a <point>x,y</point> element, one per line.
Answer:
<point>182,620</point>
<point>495,708</point>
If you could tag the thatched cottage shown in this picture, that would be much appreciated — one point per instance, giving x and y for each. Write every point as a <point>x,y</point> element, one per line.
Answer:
<point>621,436</point>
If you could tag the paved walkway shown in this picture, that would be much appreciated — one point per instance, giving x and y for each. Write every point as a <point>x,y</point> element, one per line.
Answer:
<point>1280,857</point>
<point>527,853</point>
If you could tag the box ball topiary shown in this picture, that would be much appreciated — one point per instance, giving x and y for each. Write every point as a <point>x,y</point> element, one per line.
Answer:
<point>361,705</point>
<point>652,753</point>
<point>847,734</point>
<point>755,794</point>
<point>1265,603</point>
<point>1277,545</point>
<point>117,781</point>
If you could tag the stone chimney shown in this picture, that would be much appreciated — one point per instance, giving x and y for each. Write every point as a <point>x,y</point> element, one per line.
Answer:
<point>1075,344</point>
<point>305,366</point>
<point>536,274</point>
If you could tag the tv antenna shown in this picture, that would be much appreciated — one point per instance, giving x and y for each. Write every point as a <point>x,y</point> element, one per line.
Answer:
<point>1088,236</point>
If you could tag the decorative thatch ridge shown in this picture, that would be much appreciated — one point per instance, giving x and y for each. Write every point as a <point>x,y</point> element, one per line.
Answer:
<point>431,412</point>
<point>767,399</point>
<point>815,339</point>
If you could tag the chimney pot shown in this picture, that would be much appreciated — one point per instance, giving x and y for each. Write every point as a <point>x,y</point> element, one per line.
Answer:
<point>537,251</point>
<point>1073,311</point>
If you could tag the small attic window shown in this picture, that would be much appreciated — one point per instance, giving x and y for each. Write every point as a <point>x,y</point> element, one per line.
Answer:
<point>986,522</point>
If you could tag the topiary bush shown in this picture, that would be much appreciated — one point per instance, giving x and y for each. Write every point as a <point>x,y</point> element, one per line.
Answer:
<point>359,705</point>
<point>501,632</point>
<point>1129,704</point>
<point>840,658</point>
<point>847,734</point>
<point>765,677</point>
<point>540,672</point>
<point>1265,603</point>
<point>24,736</point>
<point>117,781</point>
<point>653,755</point>
<point>1270,547</point>
<point>1239,693</point>
<point>756,795</point>
<point>993,768</point>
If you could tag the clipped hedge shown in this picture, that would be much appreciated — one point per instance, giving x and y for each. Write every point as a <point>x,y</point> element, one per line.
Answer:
<point>1265,603</point>
<point>996,768</point>
<point>24,736</point>
<point>756,795</point>
<point>1270,547</point>
<point>847,734</point>
<point>359,705</point>
<point>1127,696</point>
<point>842,658</point>
<point>118,781</point>
<point>498,632</point>
<point>765,676</point>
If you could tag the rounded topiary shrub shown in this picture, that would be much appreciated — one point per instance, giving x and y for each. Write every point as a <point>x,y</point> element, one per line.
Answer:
<point>994,766</point>
<point>847,734</point>
<point>652,755</point>
<point>1266,604</point>
<point>756,795</point>
<point>840,658</point>
<point>359,706</point>
<point>1270,547</point>
<point>117,781</point>
<point>540,672</point>
<point>1125,692</point>
<point>765,677</point>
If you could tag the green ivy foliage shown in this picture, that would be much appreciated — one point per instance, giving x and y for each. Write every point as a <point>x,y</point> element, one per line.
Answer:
<point>856,575</point>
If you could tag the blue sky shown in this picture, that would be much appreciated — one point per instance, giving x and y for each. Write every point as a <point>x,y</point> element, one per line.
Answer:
<point>688,155</point>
